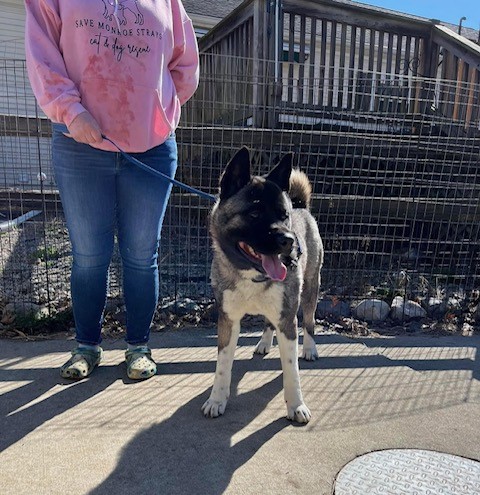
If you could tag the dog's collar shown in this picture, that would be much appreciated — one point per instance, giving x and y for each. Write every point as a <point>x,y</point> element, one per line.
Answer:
<point>261,277</point>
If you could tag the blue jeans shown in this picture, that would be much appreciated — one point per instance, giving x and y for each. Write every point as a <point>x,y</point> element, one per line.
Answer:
<point>101,193</point>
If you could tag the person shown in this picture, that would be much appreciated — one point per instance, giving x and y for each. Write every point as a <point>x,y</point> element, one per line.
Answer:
<point>121,69</point>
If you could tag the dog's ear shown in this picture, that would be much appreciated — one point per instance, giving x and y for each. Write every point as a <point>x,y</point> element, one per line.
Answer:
<point>236,174</point>
<point>282,171</point>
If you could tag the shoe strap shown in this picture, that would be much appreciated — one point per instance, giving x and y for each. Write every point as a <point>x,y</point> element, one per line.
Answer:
<point>81,351</point>
<point>139,350</point>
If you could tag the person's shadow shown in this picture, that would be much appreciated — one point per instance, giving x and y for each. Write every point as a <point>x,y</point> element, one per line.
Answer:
<point>188,453</point>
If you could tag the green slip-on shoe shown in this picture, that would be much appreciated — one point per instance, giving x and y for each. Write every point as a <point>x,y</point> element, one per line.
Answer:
<point>81,364</point>
<point>140,364</point>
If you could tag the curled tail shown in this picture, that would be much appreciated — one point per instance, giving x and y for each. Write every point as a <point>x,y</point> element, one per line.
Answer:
<point>300,190</point>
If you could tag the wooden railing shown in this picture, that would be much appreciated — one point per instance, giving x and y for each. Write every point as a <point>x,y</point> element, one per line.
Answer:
<point>328,55</point>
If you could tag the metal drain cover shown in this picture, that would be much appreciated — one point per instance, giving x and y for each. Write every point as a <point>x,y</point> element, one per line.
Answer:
<point>409,472</point>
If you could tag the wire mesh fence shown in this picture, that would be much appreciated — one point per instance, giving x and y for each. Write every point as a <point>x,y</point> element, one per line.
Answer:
<point>393,160</point>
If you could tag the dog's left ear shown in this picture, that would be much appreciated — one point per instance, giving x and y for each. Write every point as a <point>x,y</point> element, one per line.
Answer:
<point>236,174</point>
<point>282,171</point>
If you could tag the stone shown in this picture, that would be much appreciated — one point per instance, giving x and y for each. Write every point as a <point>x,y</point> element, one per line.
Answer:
<point>12,310</point>
<point>332,307</point>
<point>372,310</point>
<point>181,307</point>
<point>436,308</point>
<point>406,310</point>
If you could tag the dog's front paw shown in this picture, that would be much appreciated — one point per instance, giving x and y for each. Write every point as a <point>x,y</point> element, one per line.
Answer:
<point>301,413</point>
<point>214,408</point>
<point>310,353</point>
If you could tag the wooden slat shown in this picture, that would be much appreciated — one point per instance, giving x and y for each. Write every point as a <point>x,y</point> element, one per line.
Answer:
<point>476,101</point>
<point>259,49</point>
<point>388,62</point>
<point>472,75</point>
<point>408,56</point>
<point>351,66</point>
<point>312,59</point>
<point>331,62</point>
<point>291,55</point>
<point>399,54</point>
<point>361,49</point>
<point>458,90</point>
<point>341,71</point>
<point>419,56</point>
<point>364,99</point>
<point>323,63</point>
<point>371,51</point>
<point>302,58</point>
<point>378,76</point>
<point>447,75</point>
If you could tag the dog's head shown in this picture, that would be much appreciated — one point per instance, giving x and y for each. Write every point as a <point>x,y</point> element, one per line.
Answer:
<point>251,221</point>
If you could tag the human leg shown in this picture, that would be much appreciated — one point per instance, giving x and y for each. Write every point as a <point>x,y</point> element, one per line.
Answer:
<point>86,181</point>
<point>142,202</point>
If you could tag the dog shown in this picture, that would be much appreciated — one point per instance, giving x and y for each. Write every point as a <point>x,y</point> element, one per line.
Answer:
<point>122,6</point>
<point>268,254</point>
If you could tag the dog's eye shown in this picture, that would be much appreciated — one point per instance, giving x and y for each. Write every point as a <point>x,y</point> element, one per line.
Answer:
<point>254,214</point>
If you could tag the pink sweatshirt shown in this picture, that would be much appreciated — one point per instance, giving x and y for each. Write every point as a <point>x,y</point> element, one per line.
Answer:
<point>130,63</point>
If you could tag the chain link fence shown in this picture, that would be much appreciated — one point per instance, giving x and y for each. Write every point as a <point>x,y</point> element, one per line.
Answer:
<point>393,160</point>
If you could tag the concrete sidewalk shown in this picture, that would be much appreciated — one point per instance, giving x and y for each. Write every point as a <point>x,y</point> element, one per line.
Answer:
<point>108,435</point>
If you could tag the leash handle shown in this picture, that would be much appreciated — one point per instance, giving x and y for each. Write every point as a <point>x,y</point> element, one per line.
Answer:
<point>144,166</point>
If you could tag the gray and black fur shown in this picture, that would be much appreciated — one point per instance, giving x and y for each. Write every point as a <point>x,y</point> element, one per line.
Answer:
<point>267,259</point>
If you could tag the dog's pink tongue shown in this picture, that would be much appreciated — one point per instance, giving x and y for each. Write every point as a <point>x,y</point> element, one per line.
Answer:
<point>275,269</point>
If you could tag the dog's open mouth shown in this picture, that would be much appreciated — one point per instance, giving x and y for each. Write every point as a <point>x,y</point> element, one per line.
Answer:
<point>271,264</point>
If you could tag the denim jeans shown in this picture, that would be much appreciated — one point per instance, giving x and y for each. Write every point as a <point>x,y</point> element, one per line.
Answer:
<point>103,193</point>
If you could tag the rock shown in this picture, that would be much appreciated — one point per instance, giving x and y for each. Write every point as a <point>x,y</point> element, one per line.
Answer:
<point>455,303</point>
<point>436,308</point>
<point>372,310</point>
<point>181,307</point>
<point>402,309</point>
<point>12,310</point>
<point>467,330</point>
<point>332,307</point>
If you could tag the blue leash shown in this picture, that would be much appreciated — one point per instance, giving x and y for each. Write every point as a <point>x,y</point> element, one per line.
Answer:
<point>144,166</point>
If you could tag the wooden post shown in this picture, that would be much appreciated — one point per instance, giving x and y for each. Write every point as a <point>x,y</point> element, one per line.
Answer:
<point>258,62</point>
<point>274,52</point>
<point>456,105</point>
<point>472,76</point>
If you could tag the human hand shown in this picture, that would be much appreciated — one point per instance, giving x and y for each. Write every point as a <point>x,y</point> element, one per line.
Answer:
<point>85,129</point>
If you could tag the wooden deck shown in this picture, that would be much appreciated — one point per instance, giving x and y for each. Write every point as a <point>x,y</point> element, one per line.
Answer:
<point>325,54</point>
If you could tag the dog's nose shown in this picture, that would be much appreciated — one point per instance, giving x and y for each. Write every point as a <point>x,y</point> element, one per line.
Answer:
<point>285,242</point>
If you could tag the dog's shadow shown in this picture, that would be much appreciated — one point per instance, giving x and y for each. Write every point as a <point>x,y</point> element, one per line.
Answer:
<point>188,453</point>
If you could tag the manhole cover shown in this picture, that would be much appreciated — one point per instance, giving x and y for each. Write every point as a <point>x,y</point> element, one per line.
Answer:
<point>409,472</point>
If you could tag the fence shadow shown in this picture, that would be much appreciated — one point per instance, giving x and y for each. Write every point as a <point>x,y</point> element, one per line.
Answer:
<point>355,382</point>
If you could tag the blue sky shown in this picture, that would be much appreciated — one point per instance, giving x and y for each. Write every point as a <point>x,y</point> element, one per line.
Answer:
<point>445,10</point>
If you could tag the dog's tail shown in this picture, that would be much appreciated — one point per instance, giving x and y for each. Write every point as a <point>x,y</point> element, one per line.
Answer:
<point>300,190</point>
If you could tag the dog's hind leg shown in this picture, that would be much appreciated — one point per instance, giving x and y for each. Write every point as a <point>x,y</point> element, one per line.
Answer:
<point>265,344</point>
<point>228,332</point>
<point>288,345</point>
<point>309,305</point>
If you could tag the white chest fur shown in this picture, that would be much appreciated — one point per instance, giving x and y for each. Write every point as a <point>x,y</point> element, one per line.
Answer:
<point>254,298</point>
